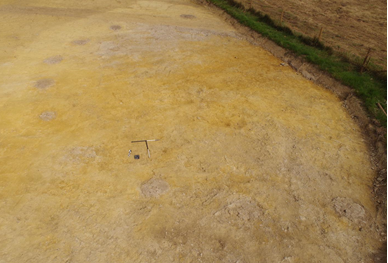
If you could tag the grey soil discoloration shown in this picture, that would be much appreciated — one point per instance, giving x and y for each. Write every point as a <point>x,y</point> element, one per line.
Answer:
<point>80,42</point>
<point>80,155</point>
<point>115,27</point>
<point>187,16</point>
<point>44,83</point>
<point>154,187</point>
<point>47,115</point>
<point>53,60</point>
<point>241,211</point>
<point>129,44</point>
<point>348,208</point>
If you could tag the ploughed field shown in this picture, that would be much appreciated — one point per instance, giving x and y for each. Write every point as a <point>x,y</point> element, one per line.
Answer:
<point>349,26</point>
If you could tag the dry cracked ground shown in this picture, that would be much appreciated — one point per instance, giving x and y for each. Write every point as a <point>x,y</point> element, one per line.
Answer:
<point>254,163</point>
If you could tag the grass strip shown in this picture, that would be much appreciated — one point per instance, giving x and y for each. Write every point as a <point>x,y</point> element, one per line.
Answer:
<point>369,88</point>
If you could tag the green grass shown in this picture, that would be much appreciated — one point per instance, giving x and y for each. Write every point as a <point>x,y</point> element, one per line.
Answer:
<point>370,88</point>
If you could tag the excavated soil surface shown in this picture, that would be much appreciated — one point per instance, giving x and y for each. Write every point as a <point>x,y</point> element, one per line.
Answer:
<point>254,163</point>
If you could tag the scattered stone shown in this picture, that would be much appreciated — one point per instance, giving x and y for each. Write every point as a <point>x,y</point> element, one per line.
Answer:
<point>346,207</point>
<point>187,16</point>
<point>48,115</point>
<point>44,83</point>
<point>53,60</point>
<point>307,75</point>
<point>154,187</point>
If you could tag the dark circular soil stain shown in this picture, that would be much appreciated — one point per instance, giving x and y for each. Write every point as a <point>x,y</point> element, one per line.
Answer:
<point>115,27</point>
<point>80,42</point>
<point>53,60</point>
<point>44,83</point>
<point>188,16</point>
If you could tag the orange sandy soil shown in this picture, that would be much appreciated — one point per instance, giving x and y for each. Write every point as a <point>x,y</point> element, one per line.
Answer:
<point>254,163</point>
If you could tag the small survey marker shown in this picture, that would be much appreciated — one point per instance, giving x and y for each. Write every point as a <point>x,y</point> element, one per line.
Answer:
<point>146,143</point>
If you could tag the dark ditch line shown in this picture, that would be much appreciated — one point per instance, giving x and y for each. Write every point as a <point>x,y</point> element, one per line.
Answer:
<point>370,87</point>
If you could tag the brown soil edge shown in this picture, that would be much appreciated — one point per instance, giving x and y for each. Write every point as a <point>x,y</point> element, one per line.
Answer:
<point>373,133</point>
